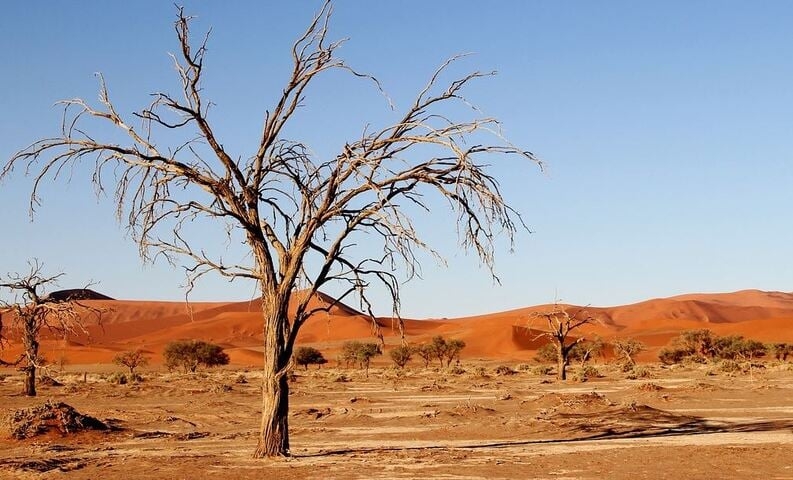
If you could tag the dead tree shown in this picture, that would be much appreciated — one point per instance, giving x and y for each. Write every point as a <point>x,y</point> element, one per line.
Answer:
<point>557,324</point>
<point>31,311</point>
<point>301,217</point>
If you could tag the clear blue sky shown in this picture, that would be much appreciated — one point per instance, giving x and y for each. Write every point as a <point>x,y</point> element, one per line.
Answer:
<point>667,128</point>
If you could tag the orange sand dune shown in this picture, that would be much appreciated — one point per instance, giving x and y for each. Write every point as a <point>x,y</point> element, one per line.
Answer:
<point>514,334</point>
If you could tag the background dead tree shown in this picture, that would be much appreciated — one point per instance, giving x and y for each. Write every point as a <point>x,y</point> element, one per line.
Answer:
<point>30,311</point>
<point>301,217</point>
<point>556,325</point>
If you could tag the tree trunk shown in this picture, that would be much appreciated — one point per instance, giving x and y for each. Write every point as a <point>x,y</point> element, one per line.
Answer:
<point>562,367</point>
<point>30,380</point>
<point>274,433</point>
<point>32,353</point>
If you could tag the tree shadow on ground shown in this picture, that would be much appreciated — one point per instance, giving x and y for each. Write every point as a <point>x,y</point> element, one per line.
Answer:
<point>631,422</point>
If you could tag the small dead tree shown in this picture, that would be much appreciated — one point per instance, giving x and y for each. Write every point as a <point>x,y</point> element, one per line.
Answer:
<point>300,216</point>
<point>30,311</point>
<point>557,324</point>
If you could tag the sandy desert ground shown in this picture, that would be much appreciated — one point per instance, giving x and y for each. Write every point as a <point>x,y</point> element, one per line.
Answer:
<point>684,422</point>
<point>421,423</point>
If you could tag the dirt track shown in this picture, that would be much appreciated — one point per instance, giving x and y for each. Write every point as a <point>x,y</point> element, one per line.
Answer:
<point>419,424</point>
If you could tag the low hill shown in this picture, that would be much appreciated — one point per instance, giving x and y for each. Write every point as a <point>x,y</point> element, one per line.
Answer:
<point>514,334</point>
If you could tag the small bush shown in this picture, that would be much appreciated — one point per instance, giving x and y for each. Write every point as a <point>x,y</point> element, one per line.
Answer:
<point>730,366</point>
<point>221,388</point>
<point>360,353</point>
<point>523,367</point>
<point>189,354</point>
<point>240,379</point>
<point>638,372</point>
<point>586,372</point>
<point>547,354</point>
<point>543,370</point>
<point>401,355</point>
<point>457,370</point>
<point>118,378</point>
<point>481,372</point>
<point>504,370</point>
<point>341,378</point>
<point>306,356</point>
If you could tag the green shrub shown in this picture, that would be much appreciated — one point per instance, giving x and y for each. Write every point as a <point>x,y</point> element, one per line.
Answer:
<point>359,353</point>
<point>586,372</point>
<point>543,370</point>
<point>306,356</point>
<point>730,366</point>
<point>401,355</point>
<point>547,354</point>
<point>189,354</point>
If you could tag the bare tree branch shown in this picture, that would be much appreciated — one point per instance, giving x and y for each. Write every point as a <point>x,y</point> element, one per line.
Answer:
<point>303,218</point>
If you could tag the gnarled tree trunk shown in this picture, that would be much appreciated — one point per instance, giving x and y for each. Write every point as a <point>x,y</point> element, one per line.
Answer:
<point>274,433</point>
<point>562,366</point>
<point>32,353</point>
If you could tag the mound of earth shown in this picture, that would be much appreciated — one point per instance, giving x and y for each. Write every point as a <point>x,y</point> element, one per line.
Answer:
<point>51,417</point>
<point>573,403</point>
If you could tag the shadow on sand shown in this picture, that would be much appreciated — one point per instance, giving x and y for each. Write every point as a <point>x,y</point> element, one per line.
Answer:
<point>623,423</point>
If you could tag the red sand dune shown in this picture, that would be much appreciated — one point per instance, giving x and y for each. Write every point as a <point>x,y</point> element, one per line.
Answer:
<point>766,316</point>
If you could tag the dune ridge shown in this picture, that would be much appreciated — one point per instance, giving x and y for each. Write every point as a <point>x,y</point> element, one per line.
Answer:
<point>512,334</point>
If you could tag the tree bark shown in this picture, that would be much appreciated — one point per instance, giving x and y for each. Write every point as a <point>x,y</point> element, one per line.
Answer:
<point>30,380</point>
<point>562,366</point>
<point>274,433</point>
<point>32,352</point>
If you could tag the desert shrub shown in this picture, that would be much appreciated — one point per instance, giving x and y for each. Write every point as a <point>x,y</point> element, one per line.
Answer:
<point>504,370</point>
<point>730,366</point>
<point>781,351</point>
<point>453,349</point>
<point>359,353</point>
<point>543,370</point>
<point>401,355</point>
<point>445,351</point>
<point>457,370</point>
<point>241,379</point>
<point>638,372</point>
<point>221,388</point>
<point>586,372</point>
<point>523,367</point>
<point>673,355</point>
<point>131,359</point>
<point>481,372</point>
<point>627,348</point>
<point>118,378</point>
<point>189,354</point>
<point>306,356</point>
<point>547,354</point>
<point>340,378</point>
<point>587,350</point>
<point>426,352</point>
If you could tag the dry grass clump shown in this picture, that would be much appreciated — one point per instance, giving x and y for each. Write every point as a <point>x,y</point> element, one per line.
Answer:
<point>51,417</point>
